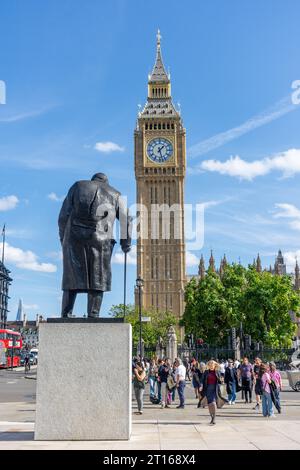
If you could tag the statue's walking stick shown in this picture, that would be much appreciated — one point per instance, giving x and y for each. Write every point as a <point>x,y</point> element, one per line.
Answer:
<point>125,281</point>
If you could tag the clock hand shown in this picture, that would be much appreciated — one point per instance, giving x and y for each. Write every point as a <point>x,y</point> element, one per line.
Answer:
<point>160,149</point>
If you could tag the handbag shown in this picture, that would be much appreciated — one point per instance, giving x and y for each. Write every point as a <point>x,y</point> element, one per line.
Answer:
<point>170,382</point>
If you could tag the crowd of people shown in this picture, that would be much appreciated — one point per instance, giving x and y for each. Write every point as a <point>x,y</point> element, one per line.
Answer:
<point>211,381</point>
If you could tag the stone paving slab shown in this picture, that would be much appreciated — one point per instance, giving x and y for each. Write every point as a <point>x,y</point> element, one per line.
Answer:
<point>168,436</point>
<point>238,427</point>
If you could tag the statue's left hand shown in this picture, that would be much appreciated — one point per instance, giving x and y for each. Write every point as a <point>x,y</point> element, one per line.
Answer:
<point>126,248</point>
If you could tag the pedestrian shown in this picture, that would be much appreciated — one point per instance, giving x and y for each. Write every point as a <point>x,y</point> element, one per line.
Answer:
<point>186,364</point>
<point>276,385</point>
<point>231,381</point>
<point>257,383</point>
<point>27,363</point>
<point>222,368</point>
<point>195,377</point>
<point>246,375</point>
<point>152,378</point>
<point>267,404</point>
<point>200,372</point>
<point>173,374</point>
<point>163,374</point>
<point>180,375</point>
<point>160,363</point>
<point>139,385</point>
<point>209,388</point>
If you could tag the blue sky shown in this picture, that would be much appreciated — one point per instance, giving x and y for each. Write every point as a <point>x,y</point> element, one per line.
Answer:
<point>75,72</point>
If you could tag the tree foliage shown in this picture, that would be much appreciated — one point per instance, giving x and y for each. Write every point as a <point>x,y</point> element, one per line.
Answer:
<point>151,331</point>
<point>260,300</point>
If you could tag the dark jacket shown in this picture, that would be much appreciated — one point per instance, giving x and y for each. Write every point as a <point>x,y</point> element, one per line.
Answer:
<point>203,382</point>
<point>230,379</point>
<point>86,223</point>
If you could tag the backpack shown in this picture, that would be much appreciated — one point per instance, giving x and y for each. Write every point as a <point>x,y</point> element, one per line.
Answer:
<point>154,400</point>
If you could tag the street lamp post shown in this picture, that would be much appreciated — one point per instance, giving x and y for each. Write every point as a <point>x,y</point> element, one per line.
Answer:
<point>139,285</point>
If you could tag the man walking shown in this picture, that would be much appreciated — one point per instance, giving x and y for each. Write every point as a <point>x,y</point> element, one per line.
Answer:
<point>180,374</point>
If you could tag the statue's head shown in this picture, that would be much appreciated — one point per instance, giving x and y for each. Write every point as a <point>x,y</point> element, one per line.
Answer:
<point>100,177</point>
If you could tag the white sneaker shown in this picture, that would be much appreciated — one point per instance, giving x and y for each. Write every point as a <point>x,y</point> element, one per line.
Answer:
<point>273,416</point>
<point>162,405</point>
<point>233,402</point>
<point>229,403</point>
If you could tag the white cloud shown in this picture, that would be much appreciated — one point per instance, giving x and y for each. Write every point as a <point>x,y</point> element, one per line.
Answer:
<point>26,115</point>
<point>118,257</point>
<point>288,211</point>
<point>31,307</point>
<point>288,163</point>
<point>55,197</point>
<point>191,259</point>
<point>290,260</point>
<point>107,147</point>
<point>9,202</point>
<point>279,109</point>
<point>26,260</point>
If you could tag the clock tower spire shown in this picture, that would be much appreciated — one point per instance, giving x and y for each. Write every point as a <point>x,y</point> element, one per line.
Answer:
<point>160,163</point>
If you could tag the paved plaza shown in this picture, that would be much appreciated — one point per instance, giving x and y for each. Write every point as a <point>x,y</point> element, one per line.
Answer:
<point>238,427</point>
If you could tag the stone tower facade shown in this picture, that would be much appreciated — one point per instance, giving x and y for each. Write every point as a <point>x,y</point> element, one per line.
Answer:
<point>160,165</point>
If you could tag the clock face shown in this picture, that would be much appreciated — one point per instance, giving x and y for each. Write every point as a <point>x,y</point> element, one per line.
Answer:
<point>159,150</point>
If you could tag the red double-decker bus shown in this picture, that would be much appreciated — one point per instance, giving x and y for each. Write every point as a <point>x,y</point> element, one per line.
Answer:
<point>10,348</point>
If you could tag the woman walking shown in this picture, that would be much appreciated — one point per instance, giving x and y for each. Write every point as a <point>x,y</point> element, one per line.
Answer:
<point>195,377</point>
<point>209,388</point>
<point>257,383</point>
<point>231,381</point>
<point>139,385</point>
<point>267,405</point>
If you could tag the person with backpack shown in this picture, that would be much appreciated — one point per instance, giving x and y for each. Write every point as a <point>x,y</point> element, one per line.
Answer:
<point>139,385</point>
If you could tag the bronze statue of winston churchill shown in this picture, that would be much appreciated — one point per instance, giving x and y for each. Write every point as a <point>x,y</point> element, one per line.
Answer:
<point>86,222</point>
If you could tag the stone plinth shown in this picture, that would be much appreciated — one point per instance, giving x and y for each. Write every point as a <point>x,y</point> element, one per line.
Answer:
<point>84,381</point>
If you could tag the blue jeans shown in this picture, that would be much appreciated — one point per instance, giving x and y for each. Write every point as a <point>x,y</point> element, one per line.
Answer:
<point>232,395</point>
<point>159,391</point>
<point>180,390</point>
<point>152,383</point>
<point>267,405</point>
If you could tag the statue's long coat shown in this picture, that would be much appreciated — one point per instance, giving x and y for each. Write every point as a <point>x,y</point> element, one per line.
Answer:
<point>86,224</point>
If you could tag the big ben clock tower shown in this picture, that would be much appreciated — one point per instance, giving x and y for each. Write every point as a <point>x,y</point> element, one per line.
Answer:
<point>160,162</point>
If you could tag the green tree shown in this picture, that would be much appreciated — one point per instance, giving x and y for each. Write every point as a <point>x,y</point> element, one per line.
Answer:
<point>205,313</point>
<point>267,303</point>
<point>151,331</point>
<point>261,301</point>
